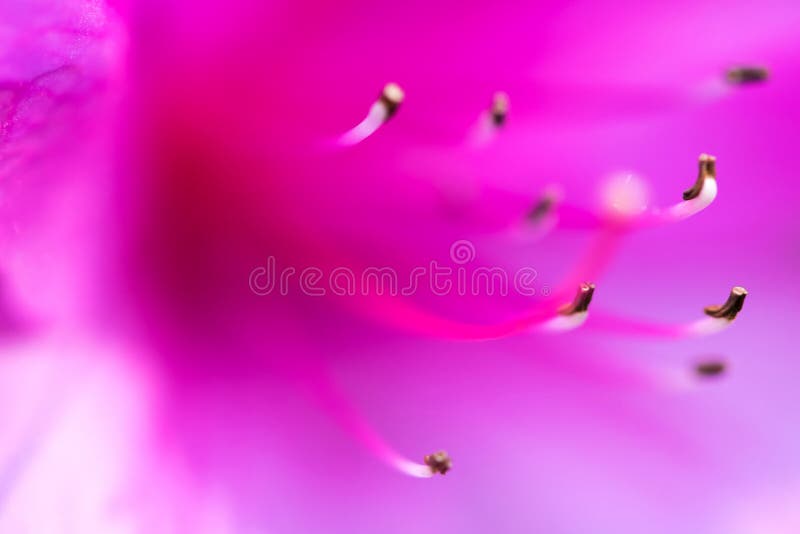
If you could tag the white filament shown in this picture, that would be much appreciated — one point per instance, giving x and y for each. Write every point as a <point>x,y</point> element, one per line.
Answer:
<point>378,113</point>
<point>564,323</point>
<point>688,208</point>
<point>412,468</point>
<point>707,326</point>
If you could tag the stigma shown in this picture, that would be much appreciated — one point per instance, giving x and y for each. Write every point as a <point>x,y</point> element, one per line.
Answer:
<point>439,462</point>
<point>731,308</point>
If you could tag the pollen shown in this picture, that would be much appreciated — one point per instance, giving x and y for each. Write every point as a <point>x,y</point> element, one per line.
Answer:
<point>439,462</point>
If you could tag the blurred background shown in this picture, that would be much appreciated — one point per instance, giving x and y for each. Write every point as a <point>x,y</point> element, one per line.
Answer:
<point>180,181</point>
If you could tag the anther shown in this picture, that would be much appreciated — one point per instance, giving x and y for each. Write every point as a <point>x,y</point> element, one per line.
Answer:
<point>710,368</point>
<point>439,462</point>
<point>707,169</point>
<point>499,110</point>
<point>732,306</point>
<point>747,75</point>
<point>581,302</point>
<point>391,98</point>
<point>543,207</point>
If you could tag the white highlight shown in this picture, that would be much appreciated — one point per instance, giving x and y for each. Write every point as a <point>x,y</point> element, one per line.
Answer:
<point>625,195</point>
<point>564,323</point>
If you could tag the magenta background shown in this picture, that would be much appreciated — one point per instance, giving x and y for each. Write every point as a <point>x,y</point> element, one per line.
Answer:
<point>188,140</point>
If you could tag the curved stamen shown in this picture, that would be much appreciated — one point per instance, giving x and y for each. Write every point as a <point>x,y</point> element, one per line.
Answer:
<point>381,111</point>
<point>746,75</point>
<point>574,314</point>
<point>545,316</point>
<point>719,318</point>
<point>732,306</point>
<point>695,200</point>
<point>343,412</point>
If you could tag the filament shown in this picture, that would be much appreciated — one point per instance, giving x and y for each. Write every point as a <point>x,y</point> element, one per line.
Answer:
<point>547,316</point>
<point>381,111</point>
<point>718,318</point>
<point>695,200</point>
<point>337,406</point>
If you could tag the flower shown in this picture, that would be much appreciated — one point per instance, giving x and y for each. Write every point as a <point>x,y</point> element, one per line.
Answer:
<point>156,154</point>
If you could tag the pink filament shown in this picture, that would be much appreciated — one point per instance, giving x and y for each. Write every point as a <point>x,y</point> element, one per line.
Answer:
<point>351,421</point>
<point>402,314</point>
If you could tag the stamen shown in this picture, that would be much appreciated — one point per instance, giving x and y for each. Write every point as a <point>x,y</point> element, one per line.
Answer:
<point>574,314</point>
<point>719,318</point>
<point>485,129</point>
<point>698,197</point>
<point>381,111</point>
<point>439,462</point>
<point>341,410</point>
<point>582,300</point>
<point>695,199</point>
<point>707,169</point>
<point>710,368</point>
<point>732,306</point>
<point>747,75</point>
<point>499,109</point>
<point>545,206</point>
<point>543,217</point>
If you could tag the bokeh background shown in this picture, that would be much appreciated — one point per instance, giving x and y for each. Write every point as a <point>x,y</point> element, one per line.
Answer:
<point>153,153</point>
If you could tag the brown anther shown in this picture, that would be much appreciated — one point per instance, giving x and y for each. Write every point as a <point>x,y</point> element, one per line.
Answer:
<point>582,300</point>
<point>747,75</point>
<point>499,109</point>
<point>543,207</point>
<point>732,306</point>
<point>710,368</point>
<point>391,98</point>
<point>439,462</point>
<point>707,169</point>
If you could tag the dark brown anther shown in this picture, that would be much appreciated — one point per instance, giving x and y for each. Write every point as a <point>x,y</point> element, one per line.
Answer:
<point>582,300</point>
<point>732,306</point>
<point>499,108</point>
<point>391,98</point>
<point>707,169</point>
<point>747,75</point>
<point>543,207</point>
<point>439,462</point>
<point>710,368</point>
